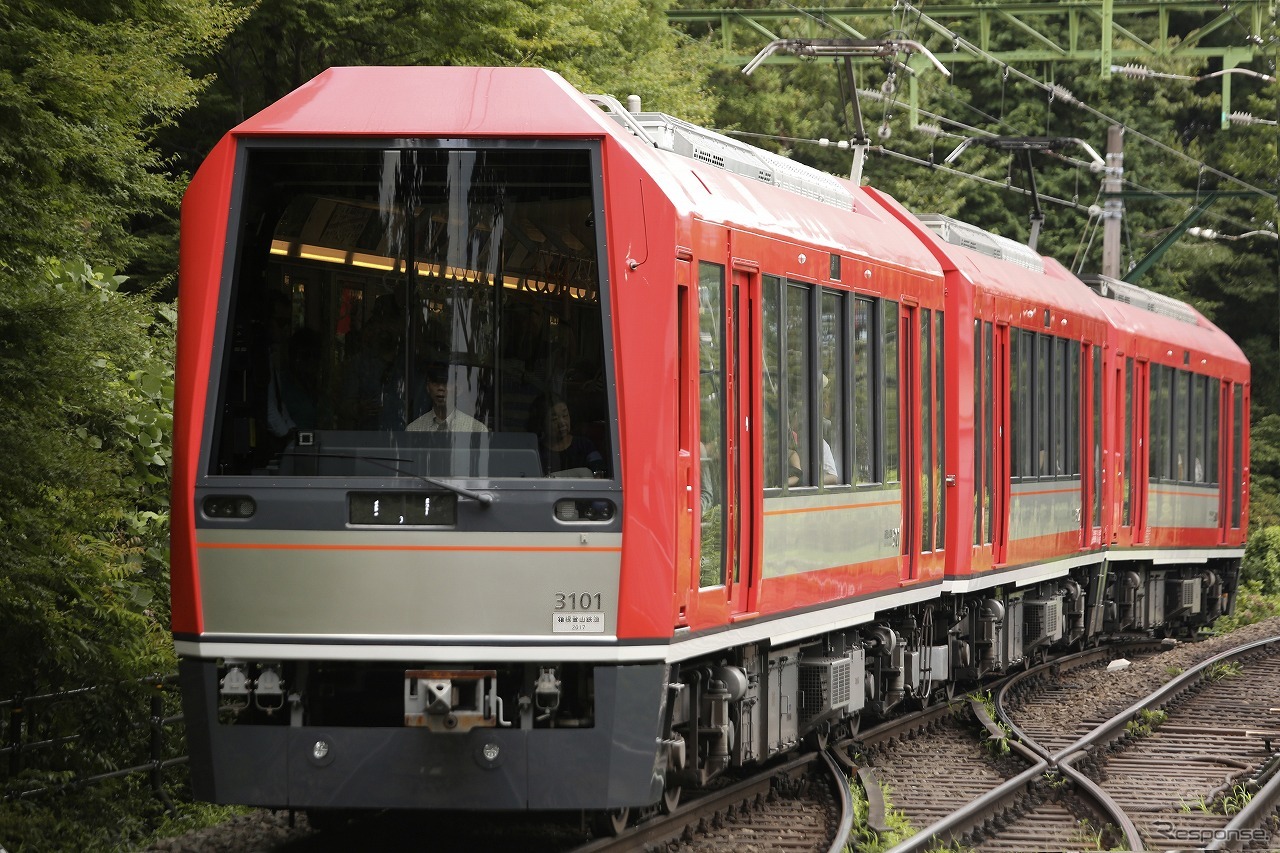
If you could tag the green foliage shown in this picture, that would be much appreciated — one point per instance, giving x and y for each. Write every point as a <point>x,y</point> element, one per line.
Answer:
<point>995,746</point>
<point>1088,835</point>
<point>1227,803</point>
<point>1223,670</point>
<point>57,823</point>
<point>1264,462</point>
<point>864,839</point>
<point>83,90</point>
<point>617,47</point>
<point>1234,801</point>
<point>1261,562</point>
<point>1252,606</point>
<point>86,374</point>
<point>1146,722</point>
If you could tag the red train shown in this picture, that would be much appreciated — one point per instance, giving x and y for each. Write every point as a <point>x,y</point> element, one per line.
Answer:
<point>533,453</point>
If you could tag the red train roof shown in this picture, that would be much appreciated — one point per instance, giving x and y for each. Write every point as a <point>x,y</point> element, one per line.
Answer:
<point>463,101</point>
<point>1166,339</point>
<point>417,101</point>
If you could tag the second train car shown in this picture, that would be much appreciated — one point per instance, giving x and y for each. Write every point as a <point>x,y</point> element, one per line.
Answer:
<point>532,453</point>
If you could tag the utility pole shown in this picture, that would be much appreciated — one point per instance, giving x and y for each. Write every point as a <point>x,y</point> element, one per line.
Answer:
<point>1113,207</point>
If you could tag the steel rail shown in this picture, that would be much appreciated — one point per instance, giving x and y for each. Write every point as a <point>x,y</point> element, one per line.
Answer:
<point>999,799</point>
<point>1249,819</point>
<point>669,827</point>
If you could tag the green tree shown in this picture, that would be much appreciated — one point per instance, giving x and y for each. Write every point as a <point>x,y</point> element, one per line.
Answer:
<point>617,47</point>
<point>87,378</point>
<point>83,90</point>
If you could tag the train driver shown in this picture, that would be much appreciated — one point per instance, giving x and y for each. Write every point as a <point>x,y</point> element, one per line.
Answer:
<point>443,415</point>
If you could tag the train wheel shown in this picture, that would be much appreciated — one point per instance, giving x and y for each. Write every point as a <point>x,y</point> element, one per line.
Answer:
<point>670,798</point>
<point>611,822</point>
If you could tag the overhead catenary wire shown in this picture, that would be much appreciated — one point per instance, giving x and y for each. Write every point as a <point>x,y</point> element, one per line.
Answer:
<point>1090,209</point>
<point>1054,90</point>
<point>1061,93</point>
<point>912,19</point>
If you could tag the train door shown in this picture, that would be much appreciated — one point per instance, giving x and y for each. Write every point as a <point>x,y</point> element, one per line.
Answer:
<point>909,401</point>
<point>723,400</point>
<point>740,310</point>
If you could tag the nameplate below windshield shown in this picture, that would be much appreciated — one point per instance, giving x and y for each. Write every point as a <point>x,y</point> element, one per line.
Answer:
<point>577,623</point>
<point>404,508</point>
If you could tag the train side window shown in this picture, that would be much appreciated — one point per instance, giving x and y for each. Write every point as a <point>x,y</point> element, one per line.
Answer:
<point>1022,356</point>
<point>1161,406</point>
<point>1096,441</point>
<point>979,434</point>
<point>1073,409</point>
<point>1181,424</point>
<point>796,344</point>
<point>1040,417</point>
<point>1199,393</point>
<point>864,392</point>
<point>775,451</point>
<point>1211,431</point>
<point>831,384</point>
<point>888,373</point>
<point>1060,389</point>
<point>928,482</point>
<point>1237,454</point>
<point>711,355</point>
<point>989,434</point>
<point>1127,496</point>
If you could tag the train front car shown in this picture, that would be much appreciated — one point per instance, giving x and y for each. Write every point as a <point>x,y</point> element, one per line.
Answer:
<point>398,513</point>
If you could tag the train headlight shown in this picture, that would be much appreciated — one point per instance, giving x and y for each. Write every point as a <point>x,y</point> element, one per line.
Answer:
<point>229,506</point>
<point>584,509</point>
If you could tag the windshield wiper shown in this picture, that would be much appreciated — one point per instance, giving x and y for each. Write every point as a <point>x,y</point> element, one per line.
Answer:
<point>483,498</point>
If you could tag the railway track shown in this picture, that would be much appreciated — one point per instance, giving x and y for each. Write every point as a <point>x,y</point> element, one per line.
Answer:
<point>1154,775</point>
<point>803,805</point>
<point>1209,736</point>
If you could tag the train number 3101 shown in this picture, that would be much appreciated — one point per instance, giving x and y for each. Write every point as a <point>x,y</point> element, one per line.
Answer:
<point>577,601</point>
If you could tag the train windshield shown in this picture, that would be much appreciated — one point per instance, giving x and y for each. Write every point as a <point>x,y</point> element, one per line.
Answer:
<point>427,311</point>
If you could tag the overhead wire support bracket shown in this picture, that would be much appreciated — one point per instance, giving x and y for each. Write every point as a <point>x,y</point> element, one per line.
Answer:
<point>1026,145</point>
<point>848,50</point>
<point>871,48</point>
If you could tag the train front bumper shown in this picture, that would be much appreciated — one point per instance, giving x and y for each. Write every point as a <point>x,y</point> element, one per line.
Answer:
<point>613,764</point>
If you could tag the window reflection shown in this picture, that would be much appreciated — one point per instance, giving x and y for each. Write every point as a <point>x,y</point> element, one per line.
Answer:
<point>398,312</point>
